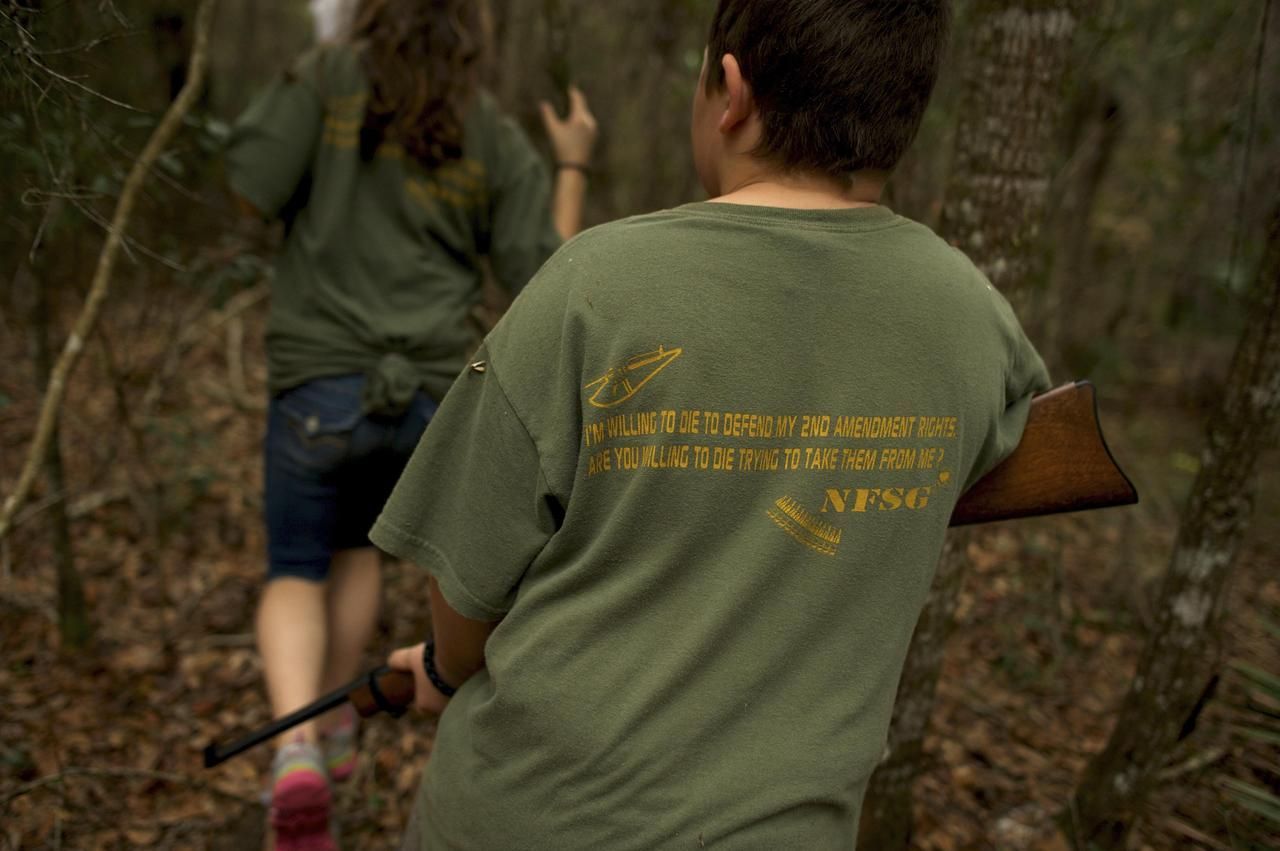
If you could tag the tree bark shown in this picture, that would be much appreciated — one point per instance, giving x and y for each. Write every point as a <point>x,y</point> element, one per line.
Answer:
<point>1183,651</point>
<point>999,186</point>
<point>73,611</point>
<point>886,813</point>
<point>994,208</point>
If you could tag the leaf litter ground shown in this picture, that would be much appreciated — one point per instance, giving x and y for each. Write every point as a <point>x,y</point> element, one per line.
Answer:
<point>102,749</point>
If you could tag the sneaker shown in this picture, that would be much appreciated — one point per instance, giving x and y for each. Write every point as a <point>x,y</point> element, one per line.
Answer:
<point>340,746</point>
<point>300,799</point>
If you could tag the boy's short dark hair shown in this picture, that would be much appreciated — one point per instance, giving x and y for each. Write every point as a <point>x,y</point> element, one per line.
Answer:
<point>841,85</point>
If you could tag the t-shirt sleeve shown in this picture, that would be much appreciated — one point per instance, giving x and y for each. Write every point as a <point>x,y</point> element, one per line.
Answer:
<point>473,507</point>
<point>1025,378</point>
<point>523,234</point>
<point>274,141</point>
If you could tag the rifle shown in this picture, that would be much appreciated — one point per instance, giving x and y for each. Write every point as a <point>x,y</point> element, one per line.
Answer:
<point>379,690</point>
<point>1061,464</point>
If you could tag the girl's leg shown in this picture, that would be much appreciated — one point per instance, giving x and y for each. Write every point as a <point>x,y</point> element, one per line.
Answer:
<point>355,592</point>
<point>312,635</point>
<point>353,599</point>
<point>309,437</point>
<point>292,636</point>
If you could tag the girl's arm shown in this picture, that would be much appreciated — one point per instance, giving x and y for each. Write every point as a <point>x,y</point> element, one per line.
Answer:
<point>572,139</point>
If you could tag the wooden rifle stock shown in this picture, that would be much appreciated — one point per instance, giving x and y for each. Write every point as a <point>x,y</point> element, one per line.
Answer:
<point>1062,464</point>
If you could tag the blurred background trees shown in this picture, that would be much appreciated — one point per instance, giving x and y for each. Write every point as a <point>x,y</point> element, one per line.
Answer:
<point>1136,260</point>
<point>993,209</point>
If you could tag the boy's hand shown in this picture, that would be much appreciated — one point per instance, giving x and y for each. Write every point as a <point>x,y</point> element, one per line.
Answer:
<point>426,697</point>
<point>573,138</point>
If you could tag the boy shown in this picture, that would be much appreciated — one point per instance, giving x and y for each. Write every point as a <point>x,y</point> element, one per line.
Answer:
<point>704,469</point>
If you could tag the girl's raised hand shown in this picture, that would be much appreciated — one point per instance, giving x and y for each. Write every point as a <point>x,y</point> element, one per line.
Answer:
<point>573,138</point>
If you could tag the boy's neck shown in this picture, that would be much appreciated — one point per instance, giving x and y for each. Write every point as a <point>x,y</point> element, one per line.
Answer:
<point>763,187</point>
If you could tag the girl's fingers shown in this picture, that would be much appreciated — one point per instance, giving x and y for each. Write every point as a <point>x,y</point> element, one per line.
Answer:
<point>578,106</point>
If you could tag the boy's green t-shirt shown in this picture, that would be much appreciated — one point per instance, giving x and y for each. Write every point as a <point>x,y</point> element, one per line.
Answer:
<point>702,472</point>
<point>382,258</point>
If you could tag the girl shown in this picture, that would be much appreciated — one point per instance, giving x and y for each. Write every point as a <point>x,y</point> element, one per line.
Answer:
<point>394,174</point>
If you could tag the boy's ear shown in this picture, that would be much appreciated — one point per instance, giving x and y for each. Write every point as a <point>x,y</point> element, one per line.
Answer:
<point>739,102</point>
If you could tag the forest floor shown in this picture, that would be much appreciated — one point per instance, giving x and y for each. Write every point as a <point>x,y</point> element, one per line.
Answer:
<point>102,750</point>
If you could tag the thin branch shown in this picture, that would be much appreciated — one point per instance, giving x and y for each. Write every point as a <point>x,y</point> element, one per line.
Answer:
<point>89,45</point>
<point>128,242</point>
<point>194,332</point>
<point>164,178</point>
<point>82,87</point>
<point>1252,121</point>
<point>1196,762</point>
<point>1188,832</point>
<point>32,198</point>
<point>100,286</point>
<point>26,33</point>
<point>124,774</point>
<point>240,395</point>
<point>92,502</point>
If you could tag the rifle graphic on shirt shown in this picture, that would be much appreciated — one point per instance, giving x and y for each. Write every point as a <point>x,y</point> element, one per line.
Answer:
<point>619,384</point>
<point>1062,464</point>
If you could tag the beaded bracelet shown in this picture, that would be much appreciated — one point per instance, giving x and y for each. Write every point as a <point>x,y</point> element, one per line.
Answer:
<point>429,664</point>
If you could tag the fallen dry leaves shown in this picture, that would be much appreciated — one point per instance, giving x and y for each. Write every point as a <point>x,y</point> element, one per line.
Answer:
<point>102,750</point>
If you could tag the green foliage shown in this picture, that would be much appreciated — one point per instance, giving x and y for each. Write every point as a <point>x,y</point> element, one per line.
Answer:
<point>1264,730</point>
<point>1263,682</point>
<point>1254,798</point>
<point>15,151</point>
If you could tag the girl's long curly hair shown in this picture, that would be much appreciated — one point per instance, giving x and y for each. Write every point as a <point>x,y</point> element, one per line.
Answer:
<point>421,58</point>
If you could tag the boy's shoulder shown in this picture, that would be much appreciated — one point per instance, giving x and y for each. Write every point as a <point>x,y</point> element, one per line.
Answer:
<point>626,234</point>
<point>637,257</point>
<point>610,248</point>
<point>641,243</point>
<point>596,261</point>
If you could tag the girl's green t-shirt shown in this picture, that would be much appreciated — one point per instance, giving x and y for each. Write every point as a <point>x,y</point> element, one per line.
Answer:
<point>382,258</point>
<point>702,472</point>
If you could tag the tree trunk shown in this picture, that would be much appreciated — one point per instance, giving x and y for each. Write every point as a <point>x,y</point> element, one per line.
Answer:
<point>1093,150</point>
<point>994,208</point>
<point>886,814</point>
<point>1183,651</point>
<point>74,625</point>
<point>999,186</point>
<point>73,611</point>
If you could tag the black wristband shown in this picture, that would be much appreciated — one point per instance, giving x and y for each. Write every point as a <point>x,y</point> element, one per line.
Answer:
<point>582,167</point>
<point>429,665</point>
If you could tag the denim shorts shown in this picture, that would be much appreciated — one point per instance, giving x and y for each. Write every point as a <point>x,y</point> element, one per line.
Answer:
<point>329,470</point>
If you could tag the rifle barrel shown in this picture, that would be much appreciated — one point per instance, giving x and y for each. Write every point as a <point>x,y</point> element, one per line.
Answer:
<point>216,754</point>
